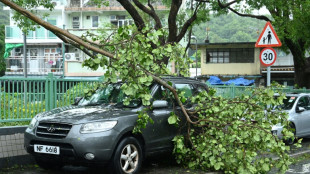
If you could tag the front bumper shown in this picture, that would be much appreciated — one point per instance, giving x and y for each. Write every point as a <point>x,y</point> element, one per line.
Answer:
<point>277,131</point>
<point>75,146</point>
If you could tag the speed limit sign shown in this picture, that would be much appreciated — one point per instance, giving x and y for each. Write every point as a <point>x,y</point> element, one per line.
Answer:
<point>268,56</point>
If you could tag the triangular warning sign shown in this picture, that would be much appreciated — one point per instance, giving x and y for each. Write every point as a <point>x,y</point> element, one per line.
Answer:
<point>268,38</point>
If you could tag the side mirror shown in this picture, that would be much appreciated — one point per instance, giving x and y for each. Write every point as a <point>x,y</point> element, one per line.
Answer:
<point>300,109</point>
<point>76,100</point>
<point>160,104</point>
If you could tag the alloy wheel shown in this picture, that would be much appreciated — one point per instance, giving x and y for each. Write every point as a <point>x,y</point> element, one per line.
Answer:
<point>129,158</point>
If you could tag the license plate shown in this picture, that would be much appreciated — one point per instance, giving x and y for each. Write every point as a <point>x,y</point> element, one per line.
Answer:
<point>46,149</point>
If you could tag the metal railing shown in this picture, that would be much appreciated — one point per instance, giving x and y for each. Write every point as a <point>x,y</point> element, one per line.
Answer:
<point>14,32</point>
<point>37,65</point>
<point>232,91</point>
<point>23,98</point>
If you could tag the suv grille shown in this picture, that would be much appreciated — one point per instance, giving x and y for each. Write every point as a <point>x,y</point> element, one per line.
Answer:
<point>53,130</point>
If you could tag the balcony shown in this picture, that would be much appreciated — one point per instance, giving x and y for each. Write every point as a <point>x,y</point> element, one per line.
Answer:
<point>13,34</point>
<point>36,65</point>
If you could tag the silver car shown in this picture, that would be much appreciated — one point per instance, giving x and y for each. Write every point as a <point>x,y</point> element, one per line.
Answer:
<point>298,108</point>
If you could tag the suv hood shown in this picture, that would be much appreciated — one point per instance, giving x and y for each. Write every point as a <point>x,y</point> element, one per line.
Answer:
<point>83,114</point>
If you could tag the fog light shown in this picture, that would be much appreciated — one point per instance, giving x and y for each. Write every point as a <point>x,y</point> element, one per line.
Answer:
<point>89,156</point>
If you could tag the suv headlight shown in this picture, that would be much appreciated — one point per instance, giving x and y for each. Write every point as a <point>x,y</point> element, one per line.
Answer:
<point>97,126</point>
<point>33,123</point>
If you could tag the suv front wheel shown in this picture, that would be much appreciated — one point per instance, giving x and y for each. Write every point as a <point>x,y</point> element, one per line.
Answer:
<point>127,157</point>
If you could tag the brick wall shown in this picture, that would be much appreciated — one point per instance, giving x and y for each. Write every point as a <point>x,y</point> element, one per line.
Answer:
<point>12,150</point>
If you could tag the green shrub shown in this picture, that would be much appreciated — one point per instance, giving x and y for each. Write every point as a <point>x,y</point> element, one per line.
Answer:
<point>75,91</point>
<point>2,67</point>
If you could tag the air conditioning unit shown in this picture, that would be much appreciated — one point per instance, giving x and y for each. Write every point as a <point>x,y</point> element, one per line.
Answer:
<point>70,57</point>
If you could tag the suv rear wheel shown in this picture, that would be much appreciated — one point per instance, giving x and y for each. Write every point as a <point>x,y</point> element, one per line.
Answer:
<point>127,157</point>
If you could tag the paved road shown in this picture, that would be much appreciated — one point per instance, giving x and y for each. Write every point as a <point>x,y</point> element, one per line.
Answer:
<point>151,167</point>
<point>164,167</point>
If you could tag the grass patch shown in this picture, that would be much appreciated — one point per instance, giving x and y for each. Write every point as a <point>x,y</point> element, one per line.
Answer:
<point>17,123</point>
<point>15,168</point>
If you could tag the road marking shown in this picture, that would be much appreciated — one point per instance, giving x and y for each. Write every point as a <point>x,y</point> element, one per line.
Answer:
<point>294,154</point>
<point>305,169</point>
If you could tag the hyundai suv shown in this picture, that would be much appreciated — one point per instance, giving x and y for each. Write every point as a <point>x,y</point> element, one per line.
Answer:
<point>98,130</point>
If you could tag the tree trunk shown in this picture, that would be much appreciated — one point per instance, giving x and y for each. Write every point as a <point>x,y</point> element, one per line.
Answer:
<point>302,78</point>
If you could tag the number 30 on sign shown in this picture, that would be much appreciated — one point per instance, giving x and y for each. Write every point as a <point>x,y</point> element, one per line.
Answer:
<point>268,56</point>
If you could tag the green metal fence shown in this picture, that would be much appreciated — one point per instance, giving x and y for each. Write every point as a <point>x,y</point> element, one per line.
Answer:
<point>231,91</point>
<point>23,98</point>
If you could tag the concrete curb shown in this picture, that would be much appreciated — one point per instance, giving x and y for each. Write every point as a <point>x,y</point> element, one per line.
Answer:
<point>10,130</point>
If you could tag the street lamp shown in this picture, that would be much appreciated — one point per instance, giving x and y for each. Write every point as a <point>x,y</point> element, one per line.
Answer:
<point>194,37</point>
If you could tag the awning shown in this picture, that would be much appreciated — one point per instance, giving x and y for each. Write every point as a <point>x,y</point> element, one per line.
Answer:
<point>9,47</point>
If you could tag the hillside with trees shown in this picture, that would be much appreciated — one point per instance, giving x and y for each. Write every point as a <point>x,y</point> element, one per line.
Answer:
<point>229,28</point>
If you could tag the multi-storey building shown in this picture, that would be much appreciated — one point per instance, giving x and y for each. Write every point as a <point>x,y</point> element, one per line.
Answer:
<point>45,51</point>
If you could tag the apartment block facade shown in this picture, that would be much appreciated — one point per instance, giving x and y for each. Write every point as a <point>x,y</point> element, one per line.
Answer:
<point>48,54</point>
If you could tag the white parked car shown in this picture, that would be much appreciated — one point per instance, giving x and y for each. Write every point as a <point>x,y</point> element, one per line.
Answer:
<point>298,108</point>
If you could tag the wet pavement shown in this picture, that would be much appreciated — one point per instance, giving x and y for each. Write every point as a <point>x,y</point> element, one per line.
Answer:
<point>150,167</point>
<point>166,166</point>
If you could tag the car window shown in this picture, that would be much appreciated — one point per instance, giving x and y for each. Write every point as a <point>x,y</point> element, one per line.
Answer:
<point>304,102</point>
<point>198,89</point>
<point>288,103</point>
<point>187,88</point>
<point>111,94</point>
<point>162,94</point>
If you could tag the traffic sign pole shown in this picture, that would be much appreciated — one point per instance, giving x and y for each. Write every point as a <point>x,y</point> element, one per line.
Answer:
<point>268,75</point>
<point>268,38</point>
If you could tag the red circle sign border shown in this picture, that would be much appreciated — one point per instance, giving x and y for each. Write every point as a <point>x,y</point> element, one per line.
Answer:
<point>275,56</point>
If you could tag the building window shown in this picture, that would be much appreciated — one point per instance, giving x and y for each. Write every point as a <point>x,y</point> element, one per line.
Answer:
<point>120,21</point>
<point>76,22</point>
<point>230,55</point>
<point>95,21</point>
<point>33,52</point>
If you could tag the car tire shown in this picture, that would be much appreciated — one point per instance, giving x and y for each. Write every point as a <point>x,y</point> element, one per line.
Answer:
<point>48,164</point>
<point>291,141</point>
<point>127,158</point>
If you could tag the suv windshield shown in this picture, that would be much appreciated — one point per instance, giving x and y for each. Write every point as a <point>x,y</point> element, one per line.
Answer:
<point>288,103</point>
<point>111,94</point>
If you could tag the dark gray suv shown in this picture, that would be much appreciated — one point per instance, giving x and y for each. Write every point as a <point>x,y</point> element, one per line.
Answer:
<point>98,130</point>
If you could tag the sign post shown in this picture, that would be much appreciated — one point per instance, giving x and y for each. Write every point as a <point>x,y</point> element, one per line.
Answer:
<point>268,38</point>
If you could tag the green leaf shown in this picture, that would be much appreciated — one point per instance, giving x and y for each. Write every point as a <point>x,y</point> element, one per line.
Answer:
<point>217,166</point>
<point>169,49</point>
<point>172,119</point>
<point>266,167</point>
<point>97,61</point>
